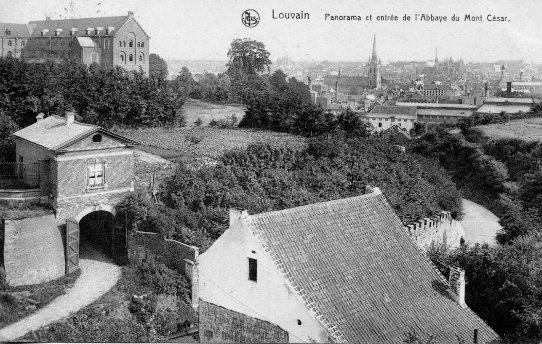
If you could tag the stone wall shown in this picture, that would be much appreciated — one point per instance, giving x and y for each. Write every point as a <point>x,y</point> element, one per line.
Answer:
<point>220,325</point>
<point>33,250</point>
<point>441,229</point>
<point>174,254</point>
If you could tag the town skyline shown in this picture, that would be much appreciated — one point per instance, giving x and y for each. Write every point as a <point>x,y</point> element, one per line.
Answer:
<point>204,31</point>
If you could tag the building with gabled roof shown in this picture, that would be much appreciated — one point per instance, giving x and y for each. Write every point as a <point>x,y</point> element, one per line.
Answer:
<point>383,117</point>
<point>106,41</point>
<point>338,271</point>
<point>13,38</point>
<point>81,172</point>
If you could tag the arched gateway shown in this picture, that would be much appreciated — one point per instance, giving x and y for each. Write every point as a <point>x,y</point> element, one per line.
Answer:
<point>84,172</point>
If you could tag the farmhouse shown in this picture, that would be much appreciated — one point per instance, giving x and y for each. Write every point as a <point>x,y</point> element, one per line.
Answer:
<point>340,271</point>
<point>81,171</point>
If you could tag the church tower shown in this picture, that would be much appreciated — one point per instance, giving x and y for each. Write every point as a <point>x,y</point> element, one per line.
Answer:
<point>375,80</point>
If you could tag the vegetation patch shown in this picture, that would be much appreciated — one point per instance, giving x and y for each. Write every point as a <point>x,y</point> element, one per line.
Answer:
<point>526,129</point>
<point>205,142</point>
<point>149,303</point>
<point>19,302</point>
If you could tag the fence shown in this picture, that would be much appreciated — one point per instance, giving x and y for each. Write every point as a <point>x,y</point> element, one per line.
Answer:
<point>16,175</point>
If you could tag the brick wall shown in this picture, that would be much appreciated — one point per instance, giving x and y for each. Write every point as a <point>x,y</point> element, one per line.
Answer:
<point>33,250</point>
<point>72,207</point>
<point>221,325</point>
<point>131,30</point>
<point>73,179</point>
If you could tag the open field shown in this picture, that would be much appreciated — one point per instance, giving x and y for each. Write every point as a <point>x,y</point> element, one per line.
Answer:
<point>194,109</point>
<point>529,129</point>
<point>179,143</point>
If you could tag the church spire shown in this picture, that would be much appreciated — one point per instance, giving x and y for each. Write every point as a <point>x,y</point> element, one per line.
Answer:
<point>374,57</point>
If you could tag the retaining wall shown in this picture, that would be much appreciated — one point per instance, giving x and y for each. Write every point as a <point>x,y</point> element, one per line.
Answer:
<point>33,250</point>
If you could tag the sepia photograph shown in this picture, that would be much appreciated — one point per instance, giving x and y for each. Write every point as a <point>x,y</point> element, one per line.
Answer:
<point>250,171</point>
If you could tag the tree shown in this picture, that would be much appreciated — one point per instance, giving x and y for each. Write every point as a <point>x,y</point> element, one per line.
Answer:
<point>157,67</point>
<point>248,56</point>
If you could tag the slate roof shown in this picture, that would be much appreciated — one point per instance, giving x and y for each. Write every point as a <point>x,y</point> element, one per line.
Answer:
<point>53,133</point>
<point>17,30</point>
<point>357,270</point>
<point>80,23</point>
<point>394,110</point>
<point>491,108</point>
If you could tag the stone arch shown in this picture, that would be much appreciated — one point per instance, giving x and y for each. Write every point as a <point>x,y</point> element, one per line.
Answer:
<point>99,207</point>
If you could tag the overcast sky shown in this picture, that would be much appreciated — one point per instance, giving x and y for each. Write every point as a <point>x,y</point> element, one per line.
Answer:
<point>204,29</point>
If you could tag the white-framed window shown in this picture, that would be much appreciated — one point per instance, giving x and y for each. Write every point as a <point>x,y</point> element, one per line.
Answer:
<point>96,174</point>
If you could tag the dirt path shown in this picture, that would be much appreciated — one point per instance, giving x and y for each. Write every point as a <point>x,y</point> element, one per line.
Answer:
<point>98,275</point>
<point>480,224</point>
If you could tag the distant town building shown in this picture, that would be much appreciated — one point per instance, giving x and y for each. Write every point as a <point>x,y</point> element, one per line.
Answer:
<point>106,41</point>
<point>384,117</point>
<point>375,79</point>
<point>438,113</point>
<point>339,271</point>
<point>13,39</point>
<point>507,105</point>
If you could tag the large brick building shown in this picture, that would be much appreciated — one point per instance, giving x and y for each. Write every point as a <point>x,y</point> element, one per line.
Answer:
<point>13,39</point>
<point>106,41</point>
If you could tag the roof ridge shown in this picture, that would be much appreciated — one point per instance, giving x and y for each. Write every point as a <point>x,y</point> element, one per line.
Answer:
<point>66,19</point>
<point>375,192</point>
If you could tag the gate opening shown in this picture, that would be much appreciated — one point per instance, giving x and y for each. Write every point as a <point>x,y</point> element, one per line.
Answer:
<point>97,230</point>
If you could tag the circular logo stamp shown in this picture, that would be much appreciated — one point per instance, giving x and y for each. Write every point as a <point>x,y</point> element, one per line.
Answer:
<point>250,18</point>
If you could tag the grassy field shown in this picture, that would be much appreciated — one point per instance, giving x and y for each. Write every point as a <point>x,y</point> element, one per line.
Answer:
<point>178,143</point>
<point>529,129</point>
<point>194,109</point>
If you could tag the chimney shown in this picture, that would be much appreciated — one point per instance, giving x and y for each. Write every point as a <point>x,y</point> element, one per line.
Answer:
<point>131,13</point>
<point>47,18</point>
<point>521,76</point>
<point>457,284</point>
<point>40,116</point>
<point>70,117</point>
<point>237,214</point>
<point>508,88</point>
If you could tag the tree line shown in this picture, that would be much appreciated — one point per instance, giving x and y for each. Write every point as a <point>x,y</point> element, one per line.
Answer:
<point>504,283</point>
<point>101,96</point>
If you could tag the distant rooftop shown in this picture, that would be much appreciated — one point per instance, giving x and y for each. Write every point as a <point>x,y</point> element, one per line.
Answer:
<point>438,105</point>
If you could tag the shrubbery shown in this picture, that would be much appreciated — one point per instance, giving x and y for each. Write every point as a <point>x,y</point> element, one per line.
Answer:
<point>101,96</point>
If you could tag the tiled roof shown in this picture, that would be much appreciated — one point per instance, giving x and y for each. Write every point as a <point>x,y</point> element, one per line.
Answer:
<point>510,109</point>
<point>53,133</point>
<point>86,42</point>
<point>358,272</point>
<point>17,30</point>
<point>81,24</point>
<point>437,105</point>
<point>394,110</point>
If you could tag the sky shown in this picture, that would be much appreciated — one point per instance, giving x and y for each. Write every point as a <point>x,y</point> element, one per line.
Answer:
<point>195,30</point>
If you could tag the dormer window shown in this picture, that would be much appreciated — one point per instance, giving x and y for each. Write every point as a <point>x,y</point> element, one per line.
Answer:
<point>44,32</point>
<point>109,30</point>
<point>57,32</point>
<point>73,31</point>
<point>89,31</point>
<point>8,32</point>
<point>98,30</point>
